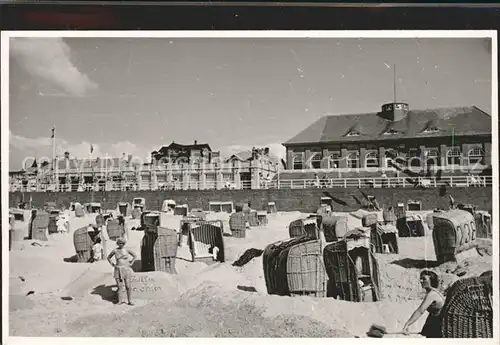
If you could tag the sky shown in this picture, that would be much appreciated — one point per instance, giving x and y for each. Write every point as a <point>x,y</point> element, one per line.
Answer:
<point>135,95</point>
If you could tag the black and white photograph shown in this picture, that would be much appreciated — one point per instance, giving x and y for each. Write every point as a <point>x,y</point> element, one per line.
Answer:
<point>288,184</point>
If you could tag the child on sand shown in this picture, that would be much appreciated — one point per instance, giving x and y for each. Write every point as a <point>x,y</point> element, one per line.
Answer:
<point>97,250</point>
<point>123,269</point>
<point>61,224</point>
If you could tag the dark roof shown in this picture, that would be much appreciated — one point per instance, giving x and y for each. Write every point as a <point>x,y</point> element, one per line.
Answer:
<point>19,172</point>
<point>459,121</point>
<point>179,146</point>
<point>242,156</point>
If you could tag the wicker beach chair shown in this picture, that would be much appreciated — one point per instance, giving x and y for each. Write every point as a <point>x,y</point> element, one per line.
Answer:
<point>237,224</point>
<point>468,309</point>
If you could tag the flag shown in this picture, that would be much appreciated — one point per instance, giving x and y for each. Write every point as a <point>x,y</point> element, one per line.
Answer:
<point>91,148</point>
<point>53,133</point>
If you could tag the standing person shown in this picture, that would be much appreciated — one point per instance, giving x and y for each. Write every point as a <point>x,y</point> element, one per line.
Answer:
<point>452,202</point>
<point>121,224</point>
<point>61,224</point>
<point>97,250</point>
<point>123,272</point>
<point>433,303</point>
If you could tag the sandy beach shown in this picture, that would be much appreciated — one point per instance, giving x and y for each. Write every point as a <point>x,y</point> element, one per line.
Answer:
<point>217,300</point>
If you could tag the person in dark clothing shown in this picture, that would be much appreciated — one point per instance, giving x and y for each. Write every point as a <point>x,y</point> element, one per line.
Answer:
<point>433,303</point>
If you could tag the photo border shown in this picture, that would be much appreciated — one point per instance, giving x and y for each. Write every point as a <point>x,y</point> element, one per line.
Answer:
<point>6,35</point>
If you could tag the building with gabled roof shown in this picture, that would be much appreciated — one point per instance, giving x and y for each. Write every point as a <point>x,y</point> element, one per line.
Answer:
<point>442,137</point>
<point>185,153</point>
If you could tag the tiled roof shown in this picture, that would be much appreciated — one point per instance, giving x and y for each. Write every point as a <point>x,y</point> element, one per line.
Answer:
<point>242,156</point>
<point>179,146</point>
<point>459,121</point>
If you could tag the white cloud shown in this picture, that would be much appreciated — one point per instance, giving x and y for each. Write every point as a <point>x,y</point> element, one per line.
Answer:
<point>129,148</point>
<point>23,148</point>
<point>50,60</point>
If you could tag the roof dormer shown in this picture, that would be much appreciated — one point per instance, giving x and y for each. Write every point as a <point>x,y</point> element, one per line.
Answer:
<point>353,134</point>
<point>391,131</point>
<point>431,127</point>
<point>354,131</point>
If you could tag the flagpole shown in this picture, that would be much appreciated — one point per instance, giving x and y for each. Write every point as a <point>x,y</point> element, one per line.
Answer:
<point>279,168</point>
<point>54,163</point>
<point>106,171</point>
<point>92,171</point>
<point>394,82</point>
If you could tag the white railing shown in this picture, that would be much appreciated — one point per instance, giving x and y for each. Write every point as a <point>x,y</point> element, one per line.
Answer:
<point>164,168</point>
<point>379,182</point>
<point>390,182</point>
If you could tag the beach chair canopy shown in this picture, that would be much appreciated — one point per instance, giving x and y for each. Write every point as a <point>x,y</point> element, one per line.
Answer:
<point>456,217</point>
<point>387,228</point>
<point>138,201</point>
<point>168,204</point>
<point>454,232</point>
<point>17,214</point>
<point>358,237</point>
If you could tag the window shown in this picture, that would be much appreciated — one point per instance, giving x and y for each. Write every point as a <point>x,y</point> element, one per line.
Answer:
<point>315,160</point>
<point>390,157</point>
<point>298,161</point>
<point>334,161</point>
<point>453,156</point>
<point>353,134</point>
<point>476,156</point>
<point>353,160</point>
<point>432,157</point>
<point>414,158</point>
<point>371,159</point>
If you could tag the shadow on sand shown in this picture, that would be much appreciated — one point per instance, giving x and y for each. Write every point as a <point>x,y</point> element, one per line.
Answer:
<point>246,288</point>
<point>415,263</point>
<point>106,292</point>
<point>73,258</point>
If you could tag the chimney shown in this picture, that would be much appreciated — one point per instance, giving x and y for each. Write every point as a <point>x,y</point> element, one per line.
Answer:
<point>66,155</point>
<point>196,142</point>
<point>129,158</point>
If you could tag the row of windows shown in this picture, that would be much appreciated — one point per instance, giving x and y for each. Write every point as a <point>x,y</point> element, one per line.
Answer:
<point>393,132</point>
<point>453,157</point>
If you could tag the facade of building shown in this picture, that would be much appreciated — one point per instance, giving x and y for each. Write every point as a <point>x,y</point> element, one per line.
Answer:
<point>172,167</point>
<point>177,153</point>
<point>443,137</point>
